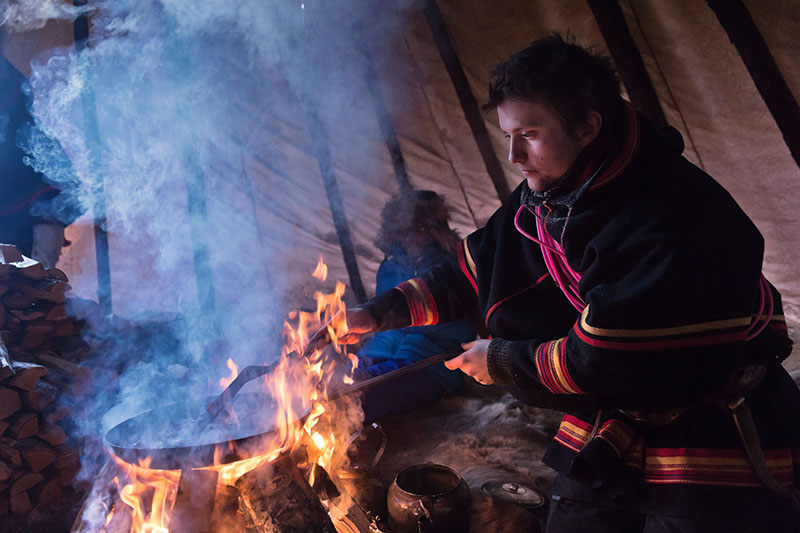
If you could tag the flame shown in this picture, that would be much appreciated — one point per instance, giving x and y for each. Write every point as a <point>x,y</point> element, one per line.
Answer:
<point>321,272</point>
<point>224,382</point>
<point>303,419</point>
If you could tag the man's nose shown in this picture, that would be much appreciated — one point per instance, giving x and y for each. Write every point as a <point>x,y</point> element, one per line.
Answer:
<point>516,153</point>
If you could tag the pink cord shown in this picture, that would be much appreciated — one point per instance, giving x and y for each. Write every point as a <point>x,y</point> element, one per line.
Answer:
<point>555,260</point>
<point>567,279</point>
<point>765,304</point>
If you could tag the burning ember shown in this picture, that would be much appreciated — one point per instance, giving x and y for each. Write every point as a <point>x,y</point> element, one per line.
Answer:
<point>305,425</point>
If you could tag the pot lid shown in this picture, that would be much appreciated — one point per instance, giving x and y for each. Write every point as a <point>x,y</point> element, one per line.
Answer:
<point>514,493</point>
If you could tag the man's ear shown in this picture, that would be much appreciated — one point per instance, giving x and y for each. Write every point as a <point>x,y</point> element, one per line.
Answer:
<point>590,129</point>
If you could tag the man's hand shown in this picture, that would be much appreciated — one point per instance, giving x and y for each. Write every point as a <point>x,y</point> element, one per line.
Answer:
<point>359,324</point>
<point>473,361</point>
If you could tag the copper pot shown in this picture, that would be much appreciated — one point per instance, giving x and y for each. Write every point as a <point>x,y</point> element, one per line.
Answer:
<point>428,498</point>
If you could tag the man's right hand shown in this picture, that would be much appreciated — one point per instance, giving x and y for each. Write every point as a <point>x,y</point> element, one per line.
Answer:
<point>359,324</point>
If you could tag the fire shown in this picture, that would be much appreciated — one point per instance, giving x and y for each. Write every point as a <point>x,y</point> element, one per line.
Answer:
<point>304,420</point>
<point>321,272</point>
<point>224,382</point>
<point>156,486</point>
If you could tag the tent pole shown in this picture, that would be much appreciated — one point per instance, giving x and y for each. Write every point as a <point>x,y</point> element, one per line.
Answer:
<point>384,117</point>
<point>467,100</point>
<point>743,33</point>
<point>627,59</point>
<point>324,160</point>
<point>93,148</point>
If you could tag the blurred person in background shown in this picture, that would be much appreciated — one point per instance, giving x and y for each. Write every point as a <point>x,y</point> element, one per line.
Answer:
<point>415,236</point>
<point>33,211</point>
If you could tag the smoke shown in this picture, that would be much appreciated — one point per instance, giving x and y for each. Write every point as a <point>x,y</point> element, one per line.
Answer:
<point>203,161</point>
<point>33,14</point>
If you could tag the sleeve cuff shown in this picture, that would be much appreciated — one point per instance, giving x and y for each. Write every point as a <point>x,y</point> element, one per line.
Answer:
<point>505,358</point>
<point>389,310</point>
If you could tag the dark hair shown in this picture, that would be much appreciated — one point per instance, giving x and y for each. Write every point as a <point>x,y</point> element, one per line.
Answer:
<point>573,79</point>
<point>412,220</point>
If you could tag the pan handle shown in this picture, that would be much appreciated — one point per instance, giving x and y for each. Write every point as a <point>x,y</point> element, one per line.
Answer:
<point>248,373</point>
<point>319,340</point>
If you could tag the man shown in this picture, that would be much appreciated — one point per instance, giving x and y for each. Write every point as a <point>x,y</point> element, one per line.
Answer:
<point>33,213</point>
<point>621,284</point>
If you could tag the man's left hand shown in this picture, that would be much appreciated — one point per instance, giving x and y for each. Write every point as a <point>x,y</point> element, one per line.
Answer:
<point>473,361</point>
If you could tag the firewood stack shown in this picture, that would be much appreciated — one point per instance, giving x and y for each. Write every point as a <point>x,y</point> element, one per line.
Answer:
<point>40,353</point>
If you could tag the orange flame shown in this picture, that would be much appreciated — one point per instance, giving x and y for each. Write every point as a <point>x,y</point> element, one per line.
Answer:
<point>224,382</point>
<point>299,388</point>
<point>321,272</point>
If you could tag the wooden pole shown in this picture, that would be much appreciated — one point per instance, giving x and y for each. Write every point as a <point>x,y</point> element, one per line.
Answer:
<point>627,59</point>
<point>743,33</point>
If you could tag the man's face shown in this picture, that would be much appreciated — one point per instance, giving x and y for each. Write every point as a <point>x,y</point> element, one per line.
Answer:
<point>539,144</point>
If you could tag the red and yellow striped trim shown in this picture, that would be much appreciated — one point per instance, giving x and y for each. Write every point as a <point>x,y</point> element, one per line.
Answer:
<point>700,334</point>
<point>679,466</point>
<point>551,364</point>
<point>574,433</point>
<point>698,466</point>
<point>467,265</point>
<point>421,304</point>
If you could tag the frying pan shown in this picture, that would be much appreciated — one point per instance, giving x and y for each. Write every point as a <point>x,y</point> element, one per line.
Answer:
<point>191,434</point>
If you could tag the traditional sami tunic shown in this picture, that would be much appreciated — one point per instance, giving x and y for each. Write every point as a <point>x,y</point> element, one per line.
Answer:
<point>27,198</point>
<point>630,297</point>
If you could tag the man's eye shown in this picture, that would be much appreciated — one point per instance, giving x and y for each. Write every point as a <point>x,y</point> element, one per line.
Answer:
<point>506,135</point>
<point>529,135</point>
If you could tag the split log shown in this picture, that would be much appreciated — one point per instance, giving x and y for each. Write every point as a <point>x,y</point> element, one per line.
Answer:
<point>25,482</point>
<point>2,313</point>
<point>40,397</point>
<point>45,492</point>
<point>17,300</point>
<point>23,425</point>
<point>3,505</point>
<point>226,518</point>
<point>66,456</point>
<point>67,475</point>
<point>31,341</point>
<point>5,471</point>
<point>121,519</point>
<point>26,375</point>
<point>53,434</point>
<point>9,254</point>
<point>6,370</point>
<point>10,402</point>
<point>58,414</point>
<point>27,314</point>
<point>278,499</point>
<point>63,328</point>
<point>100,500</point>
<point>40,327</point>
<point>9,454</point>
<point>36,454</point>
<point>4,426</point>
<point>53,360</point>
<point>194,502</point>
<point>57,274</point>
<point>49,289</point>
<point>56,313</point>
<point>20,504</point>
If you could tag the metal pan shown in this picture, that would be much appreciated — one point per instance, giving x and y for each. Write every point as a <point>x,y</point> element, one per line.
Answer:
<point>193,434</point>
<point>180,436</point>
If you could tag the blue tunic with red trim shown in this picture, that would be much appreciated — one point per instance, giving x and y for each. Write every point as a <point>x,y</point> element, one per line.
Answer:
<point>28,198</point>
<point>628,297</point>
